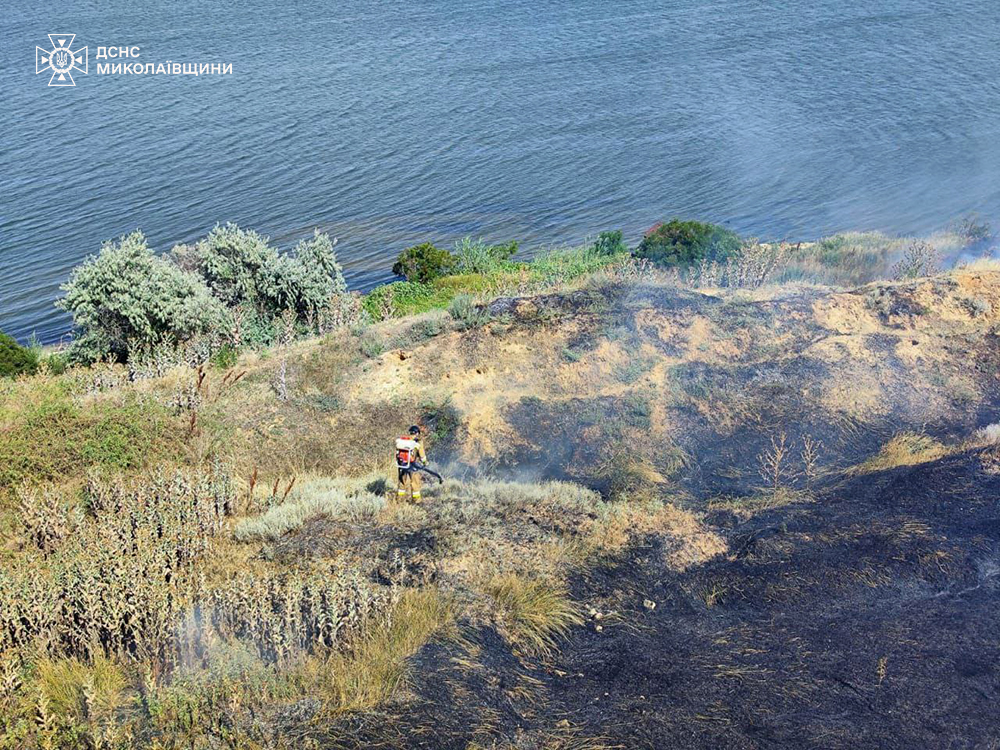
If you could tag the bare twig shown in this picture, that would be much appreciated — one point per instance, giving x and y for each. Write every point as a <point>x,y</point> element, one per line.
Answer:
<point>772,462</point>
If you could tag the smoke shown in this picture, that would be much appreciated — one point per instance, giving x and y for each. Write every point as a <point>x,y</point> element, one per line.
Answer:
<point>985,250</point>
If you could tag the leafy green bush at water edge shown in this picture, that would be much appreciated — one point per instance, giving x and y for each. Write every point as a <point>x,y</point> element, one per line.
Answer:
<point>15,359</point>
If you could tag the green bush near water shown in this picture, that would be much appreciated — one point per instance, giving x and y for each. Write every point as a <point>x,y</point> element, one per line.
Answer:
<point>15,359</point>
<point>435,276</point>
<point>399,298</point>
<point>126,298</point>
<point>241,268</point>
<point>684,243</point>
<point>568,264</point>
<point>478,256</point>
<point>610,243</point>
<point>423,263</point>
<point>231,285</point>
<point>477,268</point>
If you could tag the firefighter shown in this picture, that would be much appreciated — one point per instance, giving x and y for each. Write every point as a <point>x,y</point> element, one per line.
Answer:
<point>409,451</point>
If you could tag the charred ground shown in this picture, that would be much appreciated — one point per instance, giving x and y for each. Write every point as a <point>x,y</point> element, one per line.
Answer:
<point>775,524</point>
<point>853,605</point>
<point>862,615</point>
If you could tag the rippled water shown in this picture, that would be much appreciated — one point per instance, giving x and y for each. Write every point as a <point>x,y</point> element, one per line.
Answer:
<point>394,122</point>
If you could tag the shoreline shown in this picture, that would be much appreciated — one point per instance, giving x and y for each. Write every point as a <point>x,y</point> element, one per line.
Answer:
<point>945,237</point>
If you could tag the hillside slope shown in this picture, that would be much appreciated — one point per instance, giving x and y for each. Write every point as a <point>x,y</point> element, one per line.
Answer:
<point>671,518</point>
<point>647,382</point>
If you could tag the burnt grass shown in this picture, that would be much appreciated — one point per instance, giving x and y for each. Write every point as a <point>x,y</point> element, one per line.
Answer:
<point>865,616</point>
<point>860,613</point>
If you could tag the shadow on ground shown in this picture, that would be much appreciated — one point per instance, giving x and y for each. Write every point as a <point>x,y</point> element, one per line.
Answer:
<point>863,617</point>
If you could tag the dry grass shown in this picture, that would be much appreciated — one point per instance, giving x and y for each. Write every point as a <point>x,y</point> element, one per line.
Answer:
<point>988,435</point>
<point>988,265</point>
<point>532,614</point>
<point>119,582</point>
<point>485,528</point>
<point>688,542</point>
<point>747,505</point>
<point>714,594</point>
<point>78,692</point>
<point>337,499</point>
<point>284,614</point>
<point>375,667</point>
<point>119,588</point>
<point>854,258</point>
<point>905,449</point>
<point>209,615</point>
<point>52,430</point>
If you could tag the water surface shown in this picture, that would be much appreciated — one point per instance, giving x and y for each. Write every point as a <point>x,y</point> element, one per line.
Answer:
<point>396,122</point>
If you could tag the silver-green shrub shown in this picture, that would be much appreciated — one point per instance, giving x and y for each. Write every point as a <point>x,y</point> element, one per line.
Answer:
<point>312,275</point>
<point>329,498</point>
<point>243,269</point>
<point>468,312</point>
<point>126,299</point>
<point>232,287</point>
<point>238,265</point>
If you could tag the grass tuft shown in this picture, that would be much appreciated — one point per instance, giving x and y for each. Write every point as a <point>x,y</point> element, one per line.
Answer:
<point>905,449</point>
<point>79,700</point>
<point>370,673</point>
<point>988,435</point>
<point>331,498</point>
<point>532,614</point>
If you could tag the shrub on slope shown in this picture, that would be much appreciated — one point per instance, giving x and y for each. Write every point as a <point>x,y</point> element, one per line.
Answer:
<point>126,298</point>
<point>232,285</point>
<point>683,243</point>
<point>243,269</point>
<point>424,263</point>
<point>14,358</point>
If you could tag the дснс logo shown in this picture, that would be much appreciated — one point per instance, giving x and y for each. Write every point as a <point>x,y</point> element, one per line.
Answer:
<point>61,59</point>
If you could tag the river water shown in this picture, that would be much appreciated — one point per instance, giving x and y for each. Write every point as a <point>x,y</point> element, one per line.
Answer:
<point>388,123</point>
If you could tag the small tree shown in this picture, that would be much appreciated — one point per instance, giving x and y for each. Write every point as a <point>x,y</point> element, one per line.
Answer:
<point>424,263</point>
<point>126,299</point>
<point>311,278</point>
